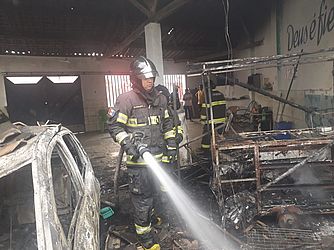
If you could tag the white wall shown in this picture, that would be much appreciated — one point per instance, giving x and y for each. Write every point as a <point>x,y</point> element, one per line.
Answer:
<point>267,33</point>
<point>317,78</point>
<point>91,71</point>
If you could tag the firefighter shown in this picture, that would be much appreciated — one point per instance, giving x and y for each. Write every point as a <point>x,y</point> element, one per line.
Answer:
<point>146,111</point>
<point>218,105</point>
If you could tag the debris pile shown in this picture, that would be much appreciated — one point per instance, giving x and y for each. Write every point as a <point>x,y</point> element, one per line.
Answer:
<point>240,209</point>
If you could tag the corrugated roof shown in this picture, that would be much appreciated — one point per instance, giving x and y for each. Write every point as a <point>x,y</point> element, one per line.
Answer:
<point>81,28</point>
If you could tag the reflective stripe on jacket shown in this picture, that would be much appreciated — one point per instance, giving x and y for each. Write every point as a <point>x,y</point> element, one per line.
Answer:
<point>218,105</point>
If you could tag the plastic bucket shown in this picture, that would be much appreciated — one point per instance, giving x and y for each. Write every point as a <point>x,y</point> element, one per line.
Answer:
<point>283,125</point>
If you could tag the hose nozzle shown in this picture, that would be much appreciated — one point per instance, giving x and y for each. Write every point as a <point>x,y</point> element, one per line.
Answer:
<point>142,148</point>
<point>137,138</point>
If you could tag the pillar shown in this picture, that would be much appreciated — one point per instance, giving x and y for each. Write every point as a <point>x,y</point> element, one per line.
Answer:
<point>154,48</point>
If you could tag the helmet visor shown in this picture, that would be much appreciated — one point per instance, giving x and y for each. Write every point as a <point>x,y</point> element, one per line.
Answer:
<point>147,75</point>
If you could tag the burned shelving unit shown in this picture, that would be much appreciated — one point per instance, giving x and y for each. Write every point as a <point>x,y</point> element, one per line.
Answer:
<point>260,173</point>
<point>278,168</point>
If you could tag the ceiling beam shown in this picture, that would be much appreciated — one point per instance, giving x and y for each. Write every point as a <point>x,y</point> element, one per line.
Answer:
<point>140,7</point>
<point>152,5</point>
<point>161,14</point>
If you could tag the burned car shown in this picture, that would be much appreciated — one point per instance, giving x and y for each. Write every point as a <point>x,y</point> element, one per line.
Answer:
<point>49,196</point>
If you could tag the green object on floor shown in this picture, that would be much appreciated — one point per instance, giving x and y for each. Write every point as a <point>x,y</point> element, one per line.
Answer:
<point>106,212</point>
<point>103,119</point>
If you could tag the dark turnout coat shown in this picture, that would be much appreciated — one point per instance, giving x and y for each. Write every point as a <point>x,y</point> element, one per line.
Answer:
<point>218,105</point>
<point>134,112</point>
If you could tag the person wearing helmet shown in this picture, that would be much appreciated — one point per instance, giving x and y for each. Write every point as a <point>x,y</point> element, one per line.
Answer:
<point>218,105</point>
<point>143,110</point>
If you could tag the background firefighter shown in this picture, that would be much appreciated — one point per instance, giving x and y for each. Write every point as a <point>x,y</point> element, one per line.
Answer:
<point>218,105</point>
<point>144,110</point>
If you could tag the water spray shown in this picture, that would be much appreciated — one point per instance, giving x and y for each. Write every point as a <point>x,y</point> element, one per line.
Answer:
<point>210,235</point>
<point>207,232</point>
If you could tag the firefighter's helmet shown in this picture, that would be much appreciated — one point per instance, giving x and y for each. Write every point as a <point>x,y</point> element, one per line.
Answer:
<point>142,68</point>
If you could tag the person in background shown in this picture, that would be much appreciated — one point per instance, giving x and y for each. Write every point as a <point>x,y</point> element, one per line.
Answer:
<point>176,121</point>
<point>194,102</point>
<point>187,98</point>
<point>200,98</point>
<point>163,90</point>
<point>218,105</point>
<point>171,99</point>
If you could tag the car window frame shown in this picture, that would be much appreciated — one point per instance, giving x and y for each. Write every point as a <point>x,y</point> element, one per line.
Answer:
<point>91,200</point>
<point>84,158</point>
<point>77,180</point>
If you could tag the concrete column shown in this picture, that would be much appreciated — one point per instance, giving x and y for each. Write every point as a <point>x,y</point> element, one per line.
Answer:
<point>154,48</point>
<point>3,99</point>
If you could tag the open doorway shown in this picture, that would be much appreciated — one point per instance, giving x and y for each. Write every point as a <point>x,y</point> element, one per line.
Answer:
<point>41,99</point>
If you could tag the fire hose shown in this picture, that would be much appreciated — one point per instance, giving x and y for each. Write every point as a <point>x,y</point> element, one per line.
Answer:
<point>118,166</point>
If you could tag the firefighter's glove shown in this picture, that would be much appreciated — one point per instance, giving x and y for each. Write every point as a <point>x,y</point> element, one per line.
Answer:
<point>142,148</point>
<point>172,155</point>
<point>131,149</point>
<point>179,138</point>
<point>220,130</point>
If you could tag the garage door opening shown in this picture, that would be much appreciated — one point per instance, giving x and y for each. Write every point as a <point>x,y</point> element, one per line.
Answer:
<point>57,99</point>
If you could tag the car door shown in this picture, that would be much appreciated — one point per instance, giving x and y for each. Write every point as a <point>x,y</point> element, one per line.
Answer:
<point>59,192</point>
<point>68,189</point>
<point>66,193</point>
<point>87,224</point>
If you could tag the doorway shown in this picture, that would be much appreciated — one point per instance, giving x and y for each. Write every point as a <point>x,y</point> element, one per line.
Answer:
<point>41,99</point>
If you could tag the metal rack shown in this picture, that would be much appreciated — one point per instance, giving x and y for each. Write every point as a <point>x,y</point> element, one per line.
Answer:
<point>225,66</point>
<point>266,163</point>
<point>273,167</point>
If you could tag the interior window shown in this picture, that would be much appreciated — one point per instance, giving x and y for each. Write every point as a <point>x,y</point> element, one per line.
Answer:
<point>17,210</point>
<point>65,193</point>
<point>75,153</point>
